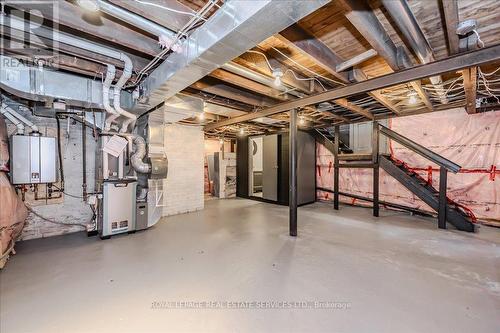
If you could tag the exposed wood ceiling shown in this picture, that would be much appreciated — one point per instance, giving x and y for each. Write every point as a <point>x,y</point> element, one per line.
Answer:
<point>311,49</point>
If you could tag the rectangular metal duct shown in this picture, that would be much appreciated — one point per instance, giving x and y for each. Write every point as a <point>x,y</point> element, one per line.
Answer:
<point>236,27</point>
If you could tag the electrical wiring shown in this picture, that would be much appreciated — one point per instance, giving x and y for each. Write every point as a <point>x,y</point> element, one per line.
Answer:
<point>182,32</point>
<point>167,8</point>
<point>307,69</point>
<point>55,222</point>
<point>265,57</point>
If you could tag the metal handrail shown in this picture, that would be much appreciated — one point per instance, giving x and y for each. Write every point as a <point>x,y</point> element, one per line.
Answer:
<point>421,150</point>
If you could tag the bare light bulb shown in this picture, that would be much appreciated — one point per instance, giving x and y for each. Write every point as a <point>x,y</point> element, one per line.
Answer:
<point>302,122</point>
<point>277,81</point>
<point>221,141</point>
<point>90,5</point>
<point>412,98</point>
<point>201,116</point>
<point>277,73</point>
<point>242,131</point>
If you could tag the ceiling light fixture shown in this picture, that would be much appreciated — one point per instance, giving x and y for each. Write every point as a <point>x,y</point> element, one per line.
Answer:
<point>302,121</point>
<point>242,131</point>
<point>90,5</point>
<point>412,97</point>
<point>277,74</point>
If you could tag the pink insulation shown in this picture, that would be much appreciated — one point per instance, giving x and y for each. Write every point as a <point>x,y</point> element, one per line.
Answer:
<point>472,141</point>
<point>12,216</point>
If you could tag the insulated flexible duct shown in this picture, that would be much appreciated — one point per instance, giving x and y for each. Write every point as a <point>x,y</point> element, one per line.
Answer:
<point>136,159</point>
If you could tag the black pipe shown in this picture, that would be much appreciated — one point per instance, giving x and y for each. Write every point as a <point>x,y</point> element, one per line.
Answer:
<point>84,159</point>
<point>293,173</point>
<point>61,168</point>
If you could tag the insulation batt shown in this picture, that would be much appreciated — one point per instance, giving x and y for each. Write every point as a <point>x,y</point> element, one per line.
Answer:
<point>13,213</point>
<point>472,141</point>
<point>4,146</point>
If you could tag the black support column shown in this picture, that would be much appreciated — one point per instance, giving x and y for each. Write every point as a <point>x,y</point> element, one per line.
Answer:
<point>443,174</point>
<point>336,168</point>
<point>375,151</point>
<point>292,201</point>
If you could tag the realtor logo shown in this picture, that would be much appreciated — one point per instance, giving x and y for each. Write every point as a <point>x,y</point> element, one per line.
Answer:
<point>29,32</point>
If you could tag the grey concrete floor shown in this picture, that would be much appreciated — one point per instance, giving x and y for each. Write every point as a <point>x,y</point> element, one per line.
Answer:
<point>397,273</point>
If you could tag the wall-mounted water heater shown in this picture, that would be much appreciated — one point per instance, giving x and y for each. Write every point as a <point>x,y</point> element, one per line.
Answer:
<point>33,159</point>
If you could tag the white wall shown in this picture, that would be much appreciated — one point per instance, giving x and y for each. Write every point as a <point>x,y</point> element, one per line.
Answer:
<point>183,188</point>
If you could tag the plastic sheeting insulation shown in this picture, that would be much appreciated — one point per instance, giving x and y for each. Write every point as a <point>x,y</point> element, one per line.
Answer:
<point>472,141</point>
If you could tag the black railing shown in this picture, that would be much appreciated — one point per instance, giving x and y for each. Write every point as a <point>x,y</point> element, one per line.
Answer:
<point>419,149</point>
<point>444,164</point>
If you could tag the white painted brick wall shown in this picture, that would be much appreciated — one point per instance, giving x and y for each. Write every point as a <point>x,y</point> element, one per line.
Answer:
<point>183,188</point>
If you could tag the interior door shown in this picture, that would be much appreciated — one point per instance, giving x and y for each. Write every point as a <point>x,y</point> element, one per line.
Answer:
<point>270,167</point>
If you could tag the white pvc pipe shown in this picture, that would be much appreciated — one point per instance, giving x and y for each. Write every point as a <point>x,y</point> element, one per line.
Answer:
<point>64,38</point>
<point>14,120</point>
<point>110,75</point>
<point>21,118</point>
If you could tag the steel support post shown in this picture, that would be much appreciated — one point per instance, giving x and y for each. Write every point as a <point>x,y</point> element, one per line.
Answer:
<point>443,173</point>
<point>375,152</point>
<point>336,168</point>
<point>293,173</point>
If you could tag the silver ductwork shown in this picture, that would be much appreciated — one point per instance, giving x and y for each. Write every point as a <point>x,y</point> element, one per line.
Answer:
<point>236,27</point>
<point>19,24</point>
<point>136,159</point>
<point>134,19</point>
<point>407,23</point>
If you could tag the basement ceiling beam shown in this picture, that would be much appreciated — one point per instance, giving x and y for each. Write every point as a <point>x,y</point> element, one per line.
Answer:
<point>450,10</point>
<point>321,54</point>
<point>356,60</point>
<point>216,87</point>
<point>245,83</point>
<point>366,22</point>
<point>70,15</point>
<point>231,30</point>
<point>451,64</point>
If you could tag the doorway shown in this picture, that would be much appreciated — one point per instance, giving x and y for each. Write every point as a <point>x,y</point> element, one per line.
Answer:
<point>263,167</point>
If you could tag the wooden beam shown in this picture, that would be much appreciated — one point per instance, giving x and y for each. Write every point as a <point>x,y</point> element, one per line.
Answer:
<point>450,10</point>
<point>422,94</point>
<point>470,87</point>
<point>216,87</point>
<point>245,83</point>
<point>354,108</point>
<point>309,46</point>
<point>478,57</point>
<point>71,16</point>
<point>356,60</point>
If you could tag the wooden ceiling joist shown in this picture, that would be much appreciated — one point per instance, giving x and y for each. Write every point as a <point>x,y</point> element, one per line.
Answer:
<point>71,16</point>
<point>248,84</point>
<point>308,45</point>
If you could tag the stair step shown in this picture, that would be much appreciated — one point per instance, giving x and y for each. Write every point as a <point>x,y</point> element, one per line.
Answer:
<point>425,192</point>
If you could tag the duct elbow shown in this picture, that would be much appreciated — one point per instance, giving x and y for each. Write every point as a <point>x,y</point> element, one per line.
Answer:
<point>136,159</point>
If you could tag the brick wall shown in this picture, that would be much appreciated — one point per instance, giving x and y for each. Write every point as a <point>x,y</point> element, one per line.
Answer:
<point>183,188</point>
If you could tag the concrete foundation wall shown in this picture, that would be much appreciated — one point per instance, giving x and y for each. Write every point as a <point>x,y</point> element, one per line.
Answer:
<point>70,210</point>
<point>183,188</point>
